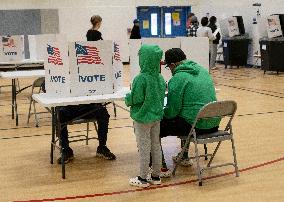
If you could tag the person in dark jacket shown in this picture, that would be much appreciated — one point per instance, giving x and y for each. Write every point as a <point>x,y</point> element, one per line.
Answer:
<point>135,32</point>
<point>193,27</point>
<point>94,111</point>
<point>213,47</point>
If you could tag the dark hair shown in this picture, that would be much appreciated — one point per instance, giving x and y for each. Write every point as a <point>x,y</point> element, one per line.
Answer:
<point>190,15</point>
<point>174,55</point>
<point>204,21</point>
<point>213,20</point>
<point>95,19</point>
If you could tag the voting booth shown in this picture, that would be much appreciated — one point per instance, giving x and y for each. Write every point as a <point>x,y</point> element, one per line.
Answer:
<point>56,64</point>
<point>37,44</point>
<point>195,48</point>
<point>12,48</point>
<point>83,68</point>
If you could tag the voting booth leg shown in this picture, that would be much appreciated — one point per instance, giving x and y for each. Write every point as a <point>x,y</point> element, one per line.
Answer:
<point>53,127</point>
<point>14,102</point>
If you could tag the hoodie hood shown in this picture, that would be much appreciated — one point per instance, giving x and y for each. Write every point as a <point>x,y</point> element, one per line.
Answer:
<point>149,59</point>
<point>189,67</point>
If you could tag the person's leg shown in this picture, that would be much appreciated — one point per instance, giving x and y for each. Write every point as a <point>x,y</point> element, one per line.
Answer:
<point>156,149</point>
<point>65,114</point>
<point>142,133</point>
<point>100,113</point>
<point>213,55</point>
<point>173,127</point>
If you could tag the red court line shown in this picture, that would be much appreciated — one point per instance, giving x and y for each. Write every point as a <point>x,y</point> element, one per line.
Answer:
<point>155,187</point>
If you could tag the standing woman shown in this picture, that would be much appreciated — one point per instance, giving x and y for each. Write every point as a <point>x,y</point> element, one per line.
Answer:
<point>205,31</point>
<point>93,34</point>
<point>135,32</point>
<point>214,46</point>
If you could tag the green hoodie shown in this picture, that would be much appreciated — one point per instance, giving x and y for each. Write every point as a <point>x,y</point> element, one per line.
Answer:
<point>148,88</point>
<point>190,88</point>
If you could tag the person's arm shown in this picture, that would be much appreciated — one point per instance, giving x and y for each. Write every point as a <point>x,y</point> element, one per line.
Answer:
<point>210,34</point>
<point>174,98</point>
<point>137,94</point>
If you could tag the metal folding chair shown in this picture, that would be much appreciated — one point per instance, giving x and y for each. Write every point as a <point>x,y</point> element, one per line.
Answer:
<point>36,84</point>
<point>219,109</point>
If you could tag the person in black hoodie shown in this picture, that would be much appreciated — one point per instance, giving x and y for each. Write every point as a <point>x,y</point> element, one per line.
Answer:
<point>135,32</point>
<point>94,111</point>
<point>213,47</point>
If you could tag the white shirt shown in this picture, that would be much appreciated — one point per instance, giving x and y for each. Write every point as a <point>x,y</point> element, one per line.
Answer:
<point>205,32</point>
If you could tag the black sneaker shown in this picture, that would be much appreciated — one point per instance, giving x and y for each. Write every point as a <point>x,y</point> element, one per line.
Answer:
<point>154,180</point>
<point>104,152</point>
<point>68,156</point>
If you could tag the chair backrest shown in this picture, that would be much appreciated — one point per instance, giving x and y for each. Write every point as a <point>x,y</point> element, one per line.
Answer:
<point>38,83</point>
<point>217,109</point>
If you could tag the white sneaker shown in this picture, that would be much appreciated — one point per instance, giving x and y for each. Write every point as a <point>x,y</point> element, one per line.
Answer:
<point>184,161</point>
<point>138,182</point>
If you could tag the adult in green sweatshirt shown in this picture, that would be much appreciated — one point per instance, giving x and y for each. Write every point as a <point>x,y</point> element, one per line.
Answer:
<point>146,102</point>
<point>190,88</point>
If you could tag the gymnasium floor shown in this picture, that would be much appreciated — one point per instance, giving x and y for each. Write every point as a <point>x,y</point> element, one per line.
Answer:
<point>26,174</point>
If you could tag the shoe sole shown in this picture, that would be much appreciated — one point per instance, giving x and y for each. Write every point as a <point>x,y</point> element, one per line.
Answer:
<point>139,185</point>
<point>104,157</point>
<point>155,182</point>
<point>65,162</point>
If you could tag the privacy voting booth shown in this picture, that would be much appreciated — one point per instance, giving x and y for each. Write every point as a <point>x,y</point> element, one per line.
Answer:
<point>91,68</point>
<point>11,48</point>
<point>37,44</point>
<point>195,48</point>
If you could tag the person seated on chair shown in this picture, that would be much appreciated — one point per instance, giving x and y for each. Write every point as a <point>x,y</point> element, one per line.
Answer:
<point>95,111</point>
<point>190,88</point>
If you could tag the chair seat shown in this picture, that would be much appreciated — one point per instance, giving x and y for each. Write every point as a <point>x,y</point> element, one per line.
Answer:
<point>220,135</point>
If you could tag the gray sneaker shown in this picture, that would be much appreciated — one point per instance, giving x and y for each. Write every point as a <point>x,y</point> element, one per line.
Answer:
<point>184,161</point>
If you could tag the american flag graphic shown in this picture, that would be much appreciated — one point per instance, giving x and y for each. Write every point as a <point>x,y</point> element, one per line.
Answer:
<point>87,55</point>
<point>116,52</point>
<point>54,55</point>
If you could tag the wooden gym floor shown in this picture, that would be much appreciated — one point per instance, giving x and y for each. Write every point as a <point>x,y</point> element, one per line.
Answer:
<point>26,174</point>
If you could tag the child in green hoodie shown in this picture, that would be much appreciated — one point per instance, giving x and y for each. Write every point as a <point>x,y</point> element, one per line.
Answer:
<point>146,102</point>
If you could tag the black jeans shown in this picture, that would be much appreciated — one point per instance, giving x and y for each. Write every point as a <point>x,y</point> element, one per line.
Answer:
<point>180,127</point>
<point>99,112</point>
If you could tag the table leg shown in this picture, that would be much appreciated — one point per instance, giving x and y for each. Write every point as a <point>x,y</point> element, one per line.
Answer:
<point>58,127</point>
<point>13,93</point>
<point>16,106</point>
<point>53,126</point>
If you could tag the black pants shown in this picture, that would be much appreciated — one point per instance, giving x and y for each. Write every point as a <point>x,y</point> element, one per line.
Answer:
<point>179,127</point>
<point>99,113</point>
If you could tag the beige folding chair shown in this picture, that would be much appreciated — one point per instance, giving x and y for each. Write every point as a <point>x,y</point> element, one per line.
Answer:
<point>217,109</point>
<point>36,84</point>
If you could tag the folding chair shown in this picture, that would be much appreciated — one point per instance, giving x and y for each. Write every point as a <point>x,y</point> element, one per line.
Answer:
<point>36,84</point>
<point>217,109</point>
